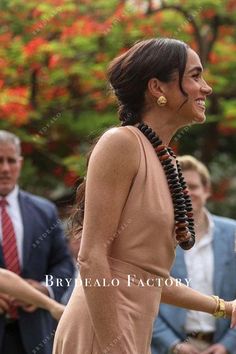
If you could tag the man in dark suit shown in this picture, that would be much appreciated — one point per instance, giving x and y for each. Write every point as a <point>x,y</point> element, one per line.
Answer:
<point>210,267</point>
<point>32,245</point>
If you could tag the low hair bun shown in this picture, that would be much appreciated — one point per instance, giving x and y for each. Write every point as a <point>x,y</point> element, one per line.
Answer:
<point>127,116</point>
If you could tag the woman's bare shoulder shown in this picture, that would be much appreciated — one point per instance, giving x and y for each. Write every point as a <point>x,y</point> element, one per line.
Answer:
<point>117,149</point>
<point>121,138</point>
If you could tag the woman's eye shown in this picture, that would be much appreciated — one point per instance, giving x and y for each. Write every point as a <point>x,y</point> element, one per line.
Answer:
<point>197,76</point>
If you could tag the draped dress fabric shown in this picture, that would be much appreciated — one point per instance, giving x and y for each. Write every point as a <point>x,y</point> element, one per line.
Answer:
<point>144,247</point>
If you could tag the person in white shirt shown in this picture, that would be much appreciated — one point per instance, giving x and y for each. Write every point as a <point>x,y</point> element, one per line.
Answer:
<point>210,267</point>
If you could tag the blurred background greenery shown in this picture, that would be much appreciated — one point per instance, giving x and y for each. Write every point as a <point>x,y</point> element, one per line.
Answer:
<point>54,95</point>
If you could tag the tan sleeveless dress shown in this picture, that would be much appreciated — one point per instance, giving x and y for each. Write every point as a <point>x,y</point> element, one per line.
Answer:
<point>144,247</point>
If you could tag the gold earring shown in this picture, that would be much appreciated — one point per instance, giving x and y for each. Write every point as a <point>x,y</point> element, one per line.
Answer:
<point>162,101</point>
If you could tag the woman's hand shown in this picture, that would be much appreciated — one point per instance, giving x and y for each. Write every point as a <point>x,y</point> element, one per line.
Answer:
<point>230,308</point>
<point>216,348</point>
<point>4,303</point>
<point>185,348</point>
<point>57,310</point>
<point>233,314</point>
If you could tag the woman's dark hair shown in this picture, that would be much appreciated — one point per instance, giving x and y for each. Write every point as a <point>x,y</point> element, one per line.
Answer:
<point>128,75</point>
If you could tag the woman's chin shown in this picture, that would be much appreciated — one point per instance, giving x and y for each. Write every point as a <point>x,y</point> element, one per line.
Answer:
<point>199,119</point>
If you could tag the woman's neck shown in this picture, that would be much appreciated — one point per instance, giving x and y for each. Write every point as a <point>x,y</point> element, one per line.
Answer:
<point>165,127</point>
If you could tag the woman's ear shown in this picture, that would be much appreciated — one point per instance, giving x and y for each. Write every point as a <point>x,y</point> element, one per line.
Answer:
<point>155,87</point>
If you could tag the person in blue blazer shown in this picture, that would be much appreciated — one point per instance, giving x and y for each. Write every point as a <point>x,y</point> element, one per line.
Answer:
<point>210,267</point>
<point>41,251</point>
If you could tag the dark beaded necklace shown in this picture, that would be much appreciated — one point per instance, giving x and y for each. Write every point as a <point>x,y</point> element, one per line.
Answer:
<point>184,223</point>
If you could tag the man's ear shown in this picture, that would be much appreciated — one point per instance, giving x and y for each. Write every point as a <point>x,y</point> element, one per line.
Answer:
<point>21,160</point>
<point>208,191</point>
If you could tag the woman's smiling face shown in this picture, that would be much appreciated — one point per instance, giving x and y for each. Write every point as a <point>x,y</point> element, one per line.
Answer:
<point>196,88</point>
<point>190,108</point>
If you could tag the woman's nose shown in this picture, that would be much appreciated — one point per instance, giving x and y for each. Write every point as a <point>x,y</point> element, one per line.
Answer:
<point>206,88</point>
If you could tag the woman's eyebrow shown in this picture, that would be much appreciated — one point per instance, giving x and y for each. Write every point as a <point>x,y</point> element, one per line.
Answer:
<point>196,68</point>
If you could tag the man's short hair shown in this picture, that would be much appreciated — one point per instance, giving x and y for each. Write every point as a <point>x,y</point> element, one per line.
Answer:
<point>188,162</point>
<point>10,138</point>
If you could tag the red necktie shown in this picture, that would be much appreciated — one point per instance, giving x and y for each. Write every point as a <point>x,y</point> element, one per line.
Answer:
<point>9,247</point>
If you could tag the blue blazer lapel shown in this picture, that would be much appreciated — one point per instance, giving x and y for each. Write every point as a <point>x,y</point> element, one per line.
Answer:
<point>28,226</point>
<point>2,263</point>
<point>220,257</point>
<point>179,269</point>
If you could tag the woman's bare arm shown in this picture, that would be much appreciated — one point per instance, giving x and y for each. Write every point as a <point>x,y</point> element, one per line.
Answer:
<point>15,286</point>
<point>112,167</point>
<point>183,296</point>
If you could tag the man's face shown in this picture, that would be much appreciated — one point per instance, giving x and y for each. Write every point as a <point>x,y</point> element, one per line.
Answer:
<point>10,167</point>
<point>198,192</point>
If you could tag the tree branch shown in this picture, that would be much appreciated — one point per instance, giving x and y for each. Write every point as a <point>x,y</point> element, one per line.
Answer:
<point>215,30</point>
<point>150,7</point>
<point>190,18</point>
<point>34,85</point>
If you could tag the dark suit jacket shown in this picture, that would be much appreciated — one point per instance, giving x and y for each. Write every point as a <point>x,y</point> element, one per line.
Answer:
<point>44,252</point>
<point>169,326</point>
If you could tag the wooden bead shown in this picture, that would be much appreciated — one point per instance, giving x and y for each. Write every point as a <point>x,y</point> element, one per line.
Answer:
<point>176,189</point>
<point>179,200</point>
<point>185,236</point>
<point>152,136</point>
<point>186,245</point>
<point>173,175</point>
<point>148,131</point>
<point>181,224</point>
<point>178,195</point>
<point>169,168</point>
<point>181,218</point>
<point>167,162</point>
<point>160,148</point>
<point>156,143</point>
<point>179,208</point>
<point>164,157</point>
<point>181,232</point>
<point>162,152</point>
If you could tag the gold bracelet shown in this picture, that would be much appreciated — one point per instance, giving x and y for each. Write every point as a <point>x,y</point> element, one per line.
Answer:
<point>220,310</point>
<point>217,299</point>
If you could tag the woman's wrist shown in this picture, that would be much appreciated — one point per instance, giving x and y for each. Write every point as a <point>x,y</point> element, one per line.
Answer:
<point>228,308</point>
<point>222,308</point>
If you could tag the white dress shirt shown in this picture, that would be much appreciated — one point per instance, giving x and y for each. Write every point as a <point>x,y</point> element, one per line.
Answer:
<point>200,267</point>
<point>13,210</point>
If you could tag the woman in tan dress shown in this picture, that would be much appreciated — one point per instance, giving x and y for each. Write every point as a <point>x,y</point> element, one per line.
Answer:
<point>136,207</point>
